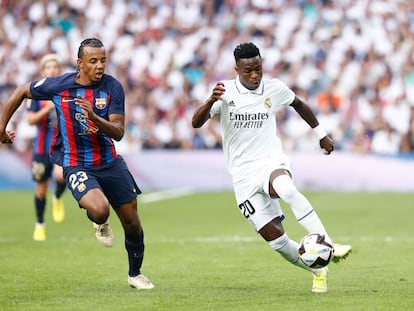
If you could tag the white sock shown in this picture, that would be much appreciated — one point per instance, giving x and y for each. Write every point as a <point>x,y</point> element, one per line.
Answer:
<point>301,207</point>
<point>288,249</point>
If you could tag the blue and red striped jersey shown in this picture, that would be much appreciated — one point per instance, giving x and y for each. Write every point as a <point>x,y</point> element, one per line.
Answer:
<point>81,142</point>
<point>45,128</point>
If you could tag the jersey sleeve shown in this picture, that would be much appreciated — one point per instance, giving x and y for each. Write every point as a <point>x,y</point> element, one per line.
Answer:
<point>215,109</point>
<point>117,105</point>
<point>284,94</point>
<point>41,90</point>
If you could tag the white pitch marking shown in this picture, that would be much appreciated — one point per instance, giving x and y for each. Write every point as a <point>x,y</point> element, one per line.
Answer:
<point>164,195</point>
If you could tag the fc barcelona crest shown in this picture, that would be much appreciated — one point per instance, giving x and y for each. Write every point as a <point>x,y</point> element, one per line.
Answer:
<point>268,103</point>
<point>100,103</point>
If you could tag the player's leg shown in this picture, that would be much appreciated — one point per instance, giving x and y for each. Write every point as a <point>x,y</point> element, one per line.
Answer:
<point>266,217</point>
<point>97,210</point>
<point>278,240</point>
<point>134,244</point>
<point>274,234</point>
<point>96,205</point>
<point>58,209</point>
<point>121,190</point>
<point>39,233</point>
<point>41,173</point>
<point>88,193</point>
<point>281,185</point>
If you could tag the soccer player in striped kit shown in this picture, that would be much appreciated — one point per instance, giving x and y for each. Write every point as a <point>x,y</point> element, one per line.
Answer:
<point>90,107</point>
<point>42,114</point>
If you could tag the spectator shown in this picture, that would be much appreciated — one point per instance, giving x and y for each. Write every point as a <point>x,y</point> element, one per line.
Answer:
<point>364,50</point>
<point>386,141</point>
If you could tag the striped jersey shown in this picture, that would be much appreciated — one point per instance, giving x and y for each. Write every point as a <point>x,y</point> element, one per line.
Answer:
<point>248,124</point>
<point>45,128</point>
<point>79,140</point>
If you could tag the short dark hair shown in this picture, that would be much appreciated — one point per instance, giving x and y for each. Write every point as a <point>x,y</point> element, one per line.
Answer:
<point>246,50</point>
<point>92,42</point>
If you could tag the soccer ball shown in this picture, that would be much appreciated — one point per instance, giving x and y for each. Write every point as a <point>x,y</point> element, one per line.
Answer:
<point>316,250</point>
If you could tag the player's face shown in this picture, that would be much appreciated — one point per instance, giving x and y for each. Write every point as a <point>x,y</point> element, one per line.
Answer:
<point>51,69</point>
<point>92,64</point>
<point>250,72</point>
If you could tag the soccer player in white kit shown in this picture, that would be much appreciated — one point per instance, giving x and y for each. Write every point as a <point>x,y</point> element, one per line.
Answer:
<point>260,169</point>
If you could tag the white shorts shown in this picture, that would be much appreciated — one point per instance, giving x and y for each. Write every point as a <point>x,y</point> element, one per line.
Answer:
<point>252,195</point>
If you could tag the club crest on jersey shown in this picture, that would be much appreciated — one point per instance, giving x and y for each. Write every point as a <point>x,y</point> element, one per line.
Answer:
<point>100,103</point>
<point>268,103</point>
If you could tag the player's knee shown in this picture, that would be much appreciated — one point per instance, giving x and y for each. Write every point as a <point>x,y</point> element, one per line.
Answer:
<point>132,226</point>
<point>285,188</point>
<point>99,213</point>
<point>41,191</point>
<point>101,218</point>
<point>98,216</point>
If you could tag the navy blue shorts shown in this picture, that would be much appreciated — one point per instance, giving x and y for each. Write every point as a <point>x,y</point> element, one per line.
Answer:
<point>114,180</point>
<point>42,167</point>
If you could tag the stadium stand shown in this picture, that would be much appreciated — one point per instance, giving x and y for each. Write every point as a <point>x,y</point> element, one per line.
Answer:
<point>352,60</point>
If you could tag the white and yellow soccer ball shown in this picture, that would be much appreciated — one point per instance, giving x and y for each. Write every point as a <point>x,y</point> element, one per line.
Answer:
<point>316,250</point>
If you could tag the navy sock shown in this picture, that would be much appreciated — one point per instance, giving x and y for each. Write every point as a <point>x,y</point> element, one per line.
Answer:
<point>135,248</point>
<point>59,189</point>
<point>40,205</point>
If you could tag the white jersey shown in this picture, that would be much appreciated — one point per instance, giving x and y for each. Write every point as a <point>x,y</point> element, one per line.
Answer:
<point>248,125</point>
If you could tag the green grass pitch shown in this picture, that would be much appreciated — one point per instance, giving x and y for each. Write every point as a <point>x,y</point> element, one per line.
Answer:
<point>201,254</point>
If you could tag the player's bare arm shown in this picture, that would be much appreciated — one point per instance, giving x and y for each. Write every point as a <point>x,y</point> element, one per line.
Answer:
<point>325,141</point>
<point>201,115</point>
<point>14,102</point>
<point>113,127</point>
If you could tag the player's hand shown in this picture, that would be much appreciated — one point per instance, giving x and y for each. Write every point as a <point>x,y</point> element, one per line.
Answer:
<point>328,144</point>
<point>218,91</point>
<point>86,107</point>
<point>7,137</point>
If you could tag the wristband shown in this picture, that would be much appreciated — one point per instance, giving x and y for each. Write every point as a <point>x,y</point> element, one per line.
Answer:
<point>319,131</point>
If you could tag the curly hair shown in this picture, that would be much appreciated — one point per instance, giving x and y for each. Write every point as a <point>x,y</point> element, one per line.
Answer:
<point>246,50</point>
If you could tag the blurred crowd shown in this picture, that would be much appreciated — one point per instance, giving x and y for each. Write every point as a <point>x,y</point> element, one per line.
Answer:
<point>351,60</point>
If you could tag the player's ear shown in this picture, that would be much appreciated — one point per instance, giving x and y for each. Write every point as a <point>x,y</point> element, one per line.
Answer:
<point>79,63</point>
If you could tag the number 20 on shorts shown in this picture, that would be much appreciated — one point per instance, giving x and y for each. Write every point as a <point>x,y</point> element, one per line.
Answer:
<point>247,208</point>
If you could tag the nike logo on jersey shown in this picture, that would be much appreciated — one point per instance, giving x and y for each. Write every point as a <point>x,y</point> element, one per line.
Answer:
<point>68,100</point>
